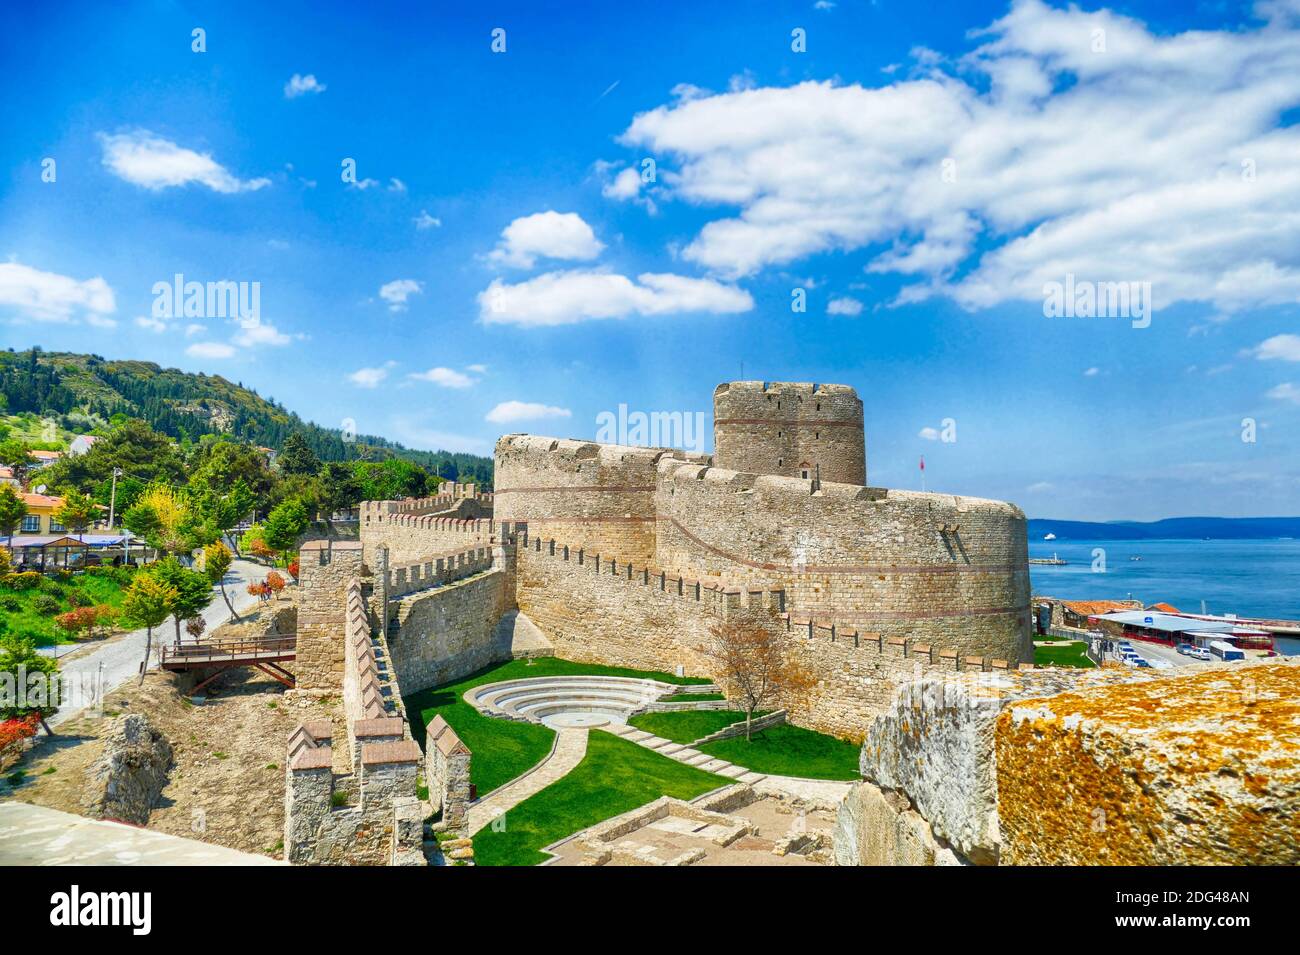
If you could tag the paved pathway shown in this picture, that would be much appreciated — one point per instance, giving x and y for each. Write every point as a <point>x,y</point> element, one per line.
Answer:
<point>121,656</point>
<point>570,747</point>
<point>684,754</point>
<point>35,835</point>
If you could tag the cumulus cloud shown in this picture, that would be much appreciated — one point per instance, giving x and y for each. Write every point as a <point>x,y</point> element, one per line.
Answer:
<point>155,163</point>
<point>51,297</point>
<point>1287,391</point>
<point>446,377</point>
<point>371,377</point>
<point>625,185</point>
<point>564,298</point>
<point>299,85</point>
<point>1284,347</point>
<point>550,235</point>
<point>261,334</point>
<point>1161,159</point>
<point>210,350</point>
<point>425,221</point>
<point>844,305</point>
<point>1092,372</point>
<point>509,412</point>
<point>929,434</point>
<point>396,293</point>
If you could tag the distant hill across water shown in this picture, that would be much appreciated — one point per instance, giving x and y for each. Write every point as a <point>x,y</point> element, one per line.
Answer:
<point>1171,528</point>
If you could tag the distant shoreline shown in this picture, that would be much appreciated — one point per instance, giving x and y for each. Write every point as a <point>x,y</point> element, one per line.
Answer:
<point>1171,528</point>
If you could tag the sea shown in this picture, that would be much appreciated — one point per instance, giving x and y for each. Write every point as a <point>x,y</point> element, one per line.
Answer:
<point>1251,578</point>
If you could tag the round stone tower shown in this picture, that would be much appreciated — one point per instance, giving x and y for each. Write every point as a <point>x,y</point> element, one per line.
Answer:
<point>795,429</point>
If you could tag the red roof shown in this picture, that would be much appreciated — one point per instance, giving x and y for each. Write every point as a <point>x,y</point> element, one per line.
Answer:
<point>42,500</point>
<point>1164,608</point>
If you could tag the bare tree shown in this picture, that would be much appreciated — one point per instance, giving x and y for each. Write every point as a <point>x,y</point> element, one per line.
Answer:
<point>756,666</point>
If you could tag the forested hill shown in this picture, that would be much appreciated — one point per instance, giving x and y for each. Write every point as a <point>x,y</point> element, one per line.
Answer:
<point>85,390</point>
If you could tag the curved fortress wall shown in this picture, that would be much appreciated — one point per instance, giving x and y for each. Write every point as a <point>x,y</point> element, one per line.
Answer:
<point>790,429</point>
<point>947,570</point>
<point>596,496</point>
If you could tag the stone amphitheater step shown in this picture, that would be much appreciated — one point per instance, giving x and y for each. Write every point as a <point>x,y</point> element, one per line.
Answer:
<point>656,743</point>
<point>685,753</point>
<point>732,772</point>
<point>699,759</point>
<point>639,736</point>
<point>671,749</point>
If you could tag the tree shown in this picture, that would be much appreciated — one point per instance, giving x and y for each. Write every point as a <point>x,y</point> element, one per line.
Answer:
<point>146,603</point>
<point>193,590</point>
<point>340,489</point>
<point>164,518</point>
<point>297,457</point>
<point>15,454</point>
<point>756,667</point>
<point>76,620</point>
<point>390,479</point>
<point>217,559</point>
<point>285,525</point>
<point>19,660</point>
<point>274,583</point>
<point>77,512</point>
<point>12,511</point>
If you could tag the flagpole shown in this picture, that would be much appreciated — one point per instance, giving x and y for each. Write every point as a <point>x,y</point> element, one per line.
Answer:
<point>923,474</point>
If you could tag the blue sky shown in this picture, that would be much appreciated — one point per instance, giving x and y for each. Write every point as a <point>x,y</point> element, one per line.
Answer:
<point>499,264</point>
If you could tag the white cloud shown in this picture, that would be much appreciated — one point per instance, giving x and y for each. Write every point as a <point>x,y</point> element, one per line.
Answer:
<point>1285,347</point>
<point>210,350</point>
<point>193,329</point>
<point>396,293</point>
<point>364,184</point>
<point>446,377</point>
<point>155,163</point>
<point>551,235</point>
<point>51,297</point>
<point>844,306</point>
<point>508,412</point>
<point>1043,136</point>
<point>425,221</point>
<point>563,298</point>
<point>1286,391</point>
<point>371,377</point>
<point>477,369</point>
<point>153,324</point>
<point>1040,487</point>
<point>625,185</point>
<point>396,185</point>
<point>1092,372</point>
<point>299,85</point>
<point>260,334</point>
<point>930,434</point>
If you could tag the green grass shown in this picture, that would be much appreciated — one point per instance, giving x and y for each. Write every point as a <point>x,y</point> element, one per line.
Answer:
<point>503,749</point>
<point>1073,655</point>
<point>691,697</point>
<point>614,777</point>
<point>27,621</point>
<point>790,751</point>
<point>686,726</point>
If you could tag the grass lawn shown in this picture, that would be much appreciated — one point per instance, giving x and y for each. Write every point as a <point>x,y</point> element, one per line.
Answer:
<point>690,697</point>
<point>688,725</point>
<point>503,749</point>
<point>614,777</point>
<point>26,620</point>
<point>1073,655</point>
<point>790,751</point>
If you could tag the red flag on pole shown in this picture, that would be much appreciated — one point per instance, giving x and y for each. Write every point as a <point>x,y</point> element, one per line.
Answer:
<point>923,462</point>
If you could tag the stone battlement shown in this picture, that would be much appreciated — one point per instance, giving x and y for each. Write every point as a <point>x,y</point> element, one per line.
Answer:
<point>437,570</point>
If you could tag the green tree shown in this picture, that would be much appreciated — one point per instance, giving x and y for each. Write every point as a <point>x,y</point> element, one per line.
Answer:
<point>12,511</point>
<point>217,559</point>
<point>19,659</point>
<point>147,603</point>
<point>193,590</point>
<point>285,525</point>
<point>340,488</point>
<point>297,457</point>
<point>390,479</point>
<point>77,512</point>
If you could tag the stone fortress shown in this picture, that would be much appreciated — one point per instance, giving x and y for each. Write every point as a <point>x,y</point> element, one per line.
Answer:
<point>629,556</point>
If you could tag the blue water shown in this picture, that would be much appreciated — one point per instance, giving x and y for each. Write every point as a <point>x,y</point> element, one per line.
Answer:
<point>1256,578</point>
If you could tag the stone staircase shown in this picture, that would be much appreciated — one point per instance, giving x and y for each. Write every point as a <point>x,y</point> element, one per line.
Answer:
<point>684,754</point>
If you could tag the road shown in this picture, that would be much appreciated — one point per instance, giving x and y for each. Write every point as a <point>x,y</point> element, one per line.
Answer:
<point>120,656</point>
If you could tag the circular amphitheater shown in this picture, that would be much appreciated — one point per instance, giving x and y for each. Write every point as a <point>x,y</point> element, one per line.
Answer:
<point>567,701</point>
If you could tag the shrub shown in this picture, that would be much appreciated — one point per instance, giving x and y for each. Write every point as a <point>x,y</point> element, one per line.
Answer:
<point>25,580</point>
<point>6,563</point>
<point>11,602</point>
<point>46,604</point>
<point>274,583</point>
<point>77,621</point>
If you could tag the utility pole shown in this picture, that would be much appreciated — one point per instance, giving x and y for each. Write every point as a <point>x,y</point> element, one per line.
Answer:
<point>112,499</point>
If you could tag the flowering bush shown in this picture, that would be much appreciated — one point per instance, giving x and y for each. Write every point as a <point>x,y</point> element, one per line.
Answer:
<point>77,620</point>
<point>260,591</point>
<point>275,583</point>
<point>11,731</point>
<point>293,568</point>
<point>24,580</point>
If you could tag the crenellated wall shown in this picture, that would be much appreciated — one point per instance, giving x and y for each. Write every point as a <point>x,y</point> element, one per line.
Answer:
<point>590,495</point>
<point>795,429</point>
<point>930,567</point>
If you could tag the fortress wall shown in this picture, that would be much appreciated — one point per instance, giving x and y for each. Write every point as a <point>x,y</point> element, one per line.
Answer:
<point>413,537</point>
<point>779,427</point>
<point>952,571</point>
<point>599,610</point>
<point>601,497</point>
<point>448,632</point>
<point>325,573</point>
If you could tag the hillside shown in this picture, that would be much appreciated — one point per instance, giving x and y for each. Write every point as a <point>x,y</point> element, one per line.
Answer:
<point>81,391</point>
<point>1171,528</point>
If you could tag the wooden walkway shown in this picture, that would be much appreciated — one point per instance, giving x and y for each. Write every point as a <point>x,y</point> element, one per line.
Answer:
<point>264,654</point>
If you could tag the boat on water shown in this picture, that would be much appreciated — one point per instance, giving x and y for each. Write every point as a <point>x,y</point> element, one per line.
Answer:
<point>1052,561</point>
